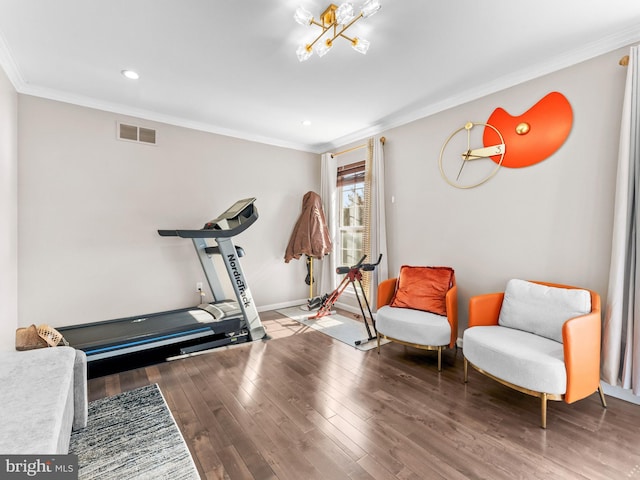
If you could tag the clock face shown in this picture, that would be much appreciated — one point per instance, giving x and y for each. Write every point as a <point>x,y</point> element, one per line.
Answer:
<point>465,161</point>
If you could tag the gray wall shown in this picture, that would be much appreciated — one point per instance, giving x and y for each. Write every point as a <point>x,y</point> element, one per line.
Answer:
<point>551,221</point>
<point>90,205</point>
<point>8,212</point>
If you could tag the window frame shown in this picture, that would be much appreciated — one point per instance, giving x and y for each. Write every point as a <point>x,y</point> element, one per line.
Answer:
<point>350,175</point>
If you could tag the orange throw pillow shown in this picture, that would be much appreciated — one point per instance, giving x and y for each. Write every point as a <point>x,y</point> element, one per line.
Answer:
<point>423,288</point>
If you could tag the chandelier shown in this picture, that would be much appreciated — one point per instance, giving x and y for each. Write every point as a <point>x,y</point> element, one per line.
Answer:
<point>335,20</point>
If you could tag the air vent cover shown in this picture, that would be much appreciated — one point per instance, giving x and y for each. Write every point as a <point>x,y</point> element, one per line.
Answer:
<point>133,133</point>
<point>147,135</point>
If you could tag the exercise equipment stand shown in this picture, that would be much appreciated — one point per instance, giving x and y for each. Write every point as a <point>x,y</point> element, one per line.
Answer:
<point>352,275</point>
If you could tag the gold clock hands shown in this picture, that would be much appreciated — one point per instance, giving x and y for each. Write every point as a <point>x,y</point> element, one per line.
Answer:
<point>480,171</point>
<point>465,157</point>
<point>484,152</point>
<point>468,126</point>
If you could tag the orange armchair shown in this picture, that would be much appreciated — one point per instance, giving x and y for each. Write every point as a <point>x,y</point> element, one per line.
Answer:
<point>416,328</point>
<point>559,360</point>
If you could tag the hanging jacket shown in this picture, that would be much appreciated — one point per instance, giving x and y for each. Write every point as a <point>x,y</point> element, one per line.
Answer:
<point>310,234</point>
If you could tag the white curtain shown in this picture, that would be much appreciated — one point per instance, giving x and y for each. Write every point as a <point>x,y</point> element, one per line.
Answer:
<point>621,332</point>
<point>377,219</point>
<point>328,192</point>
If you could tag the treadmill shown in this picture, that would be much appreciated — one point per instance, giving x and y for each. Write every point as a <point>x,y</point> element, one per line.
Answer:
<point>210,325</point>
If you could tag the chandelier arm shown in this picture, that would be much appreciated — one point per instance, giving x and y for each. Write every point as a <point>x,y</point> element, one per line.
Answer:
<point>310,45</point>
<point>352,40</point>
<point>313,22</point>
<point>339,34</point>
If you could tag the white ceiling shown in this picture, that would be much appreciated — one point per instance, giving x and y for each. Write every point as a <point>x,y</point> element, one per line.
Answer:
<point>230,67</point>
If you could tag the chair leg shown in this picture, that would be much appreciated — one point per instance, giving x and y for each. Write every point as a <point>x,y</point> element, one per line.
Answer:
<point>543,399</point>
<point>602,400</point>
<point>378,336</point>
<point>466,370</point>
<point>439,358</point>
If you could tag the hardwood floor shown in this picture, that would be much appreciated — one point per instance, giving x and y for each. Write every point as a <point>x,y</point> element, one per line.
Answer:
<point>304,406</point>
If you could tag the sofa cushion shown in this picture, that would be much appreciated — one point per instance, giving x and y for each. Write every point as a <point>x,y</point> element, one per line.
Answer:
<point>37,398</point>
<point>521,358</point>
<point>423,288</point>
<point>540,309</point>
<point>413,326</point>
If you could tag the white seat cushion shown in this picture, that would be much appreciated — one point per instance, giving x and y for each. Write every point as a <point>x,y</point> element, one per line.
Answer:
<point>413,326</point>
<point>521,358</point>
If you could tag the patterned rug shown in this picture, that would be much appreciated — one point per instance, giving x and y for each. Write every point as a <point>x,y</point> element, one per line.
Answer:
<point>346,330</point>
<point>132,436</point>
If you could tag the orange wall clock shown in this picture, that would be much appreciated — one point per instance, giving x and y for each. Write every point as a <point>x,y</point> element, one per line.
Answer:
<point>534,135</point>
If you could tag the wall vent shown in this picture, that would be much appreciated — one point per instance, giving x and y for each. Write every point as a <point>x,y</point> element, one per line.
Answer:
<point>132,133</point>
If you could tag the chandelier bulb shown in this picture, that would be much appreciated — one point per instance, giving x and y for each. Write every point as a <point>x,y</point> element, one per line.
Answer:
<point>303,52</point>
<point>303,16</point>
<point>323,48</point>
<point>360,45</point>
<point>344,13</point>
<point>370,7</point>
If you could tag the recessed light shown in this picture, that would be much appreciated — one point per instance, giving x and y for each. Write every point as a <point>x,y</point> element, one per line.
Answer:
<point>306,123</point>
<point>130,74</point>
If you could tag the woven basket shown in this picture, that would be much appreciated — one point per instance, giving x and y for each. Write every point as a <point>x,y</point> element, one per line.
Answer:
<point>51,335</point>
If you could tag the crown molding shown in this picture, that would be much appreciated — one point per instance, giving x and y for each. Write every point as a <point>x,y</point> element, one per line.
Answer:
<point>153,116</point>
<point>17,80</point>
<point>568,59</point>
<point>588,51</point>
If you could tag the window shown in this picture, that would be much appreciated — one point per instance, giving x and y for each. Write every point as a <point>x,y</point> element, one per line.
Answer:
<point>351,208</point>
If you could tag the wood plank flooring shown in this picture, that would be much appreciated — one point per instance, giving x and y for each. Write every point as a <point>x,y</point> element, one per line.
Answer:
<point>304,406</point>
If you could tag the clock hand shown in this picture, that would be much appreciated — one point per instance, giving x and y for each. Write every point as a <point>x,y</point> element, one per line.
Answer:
<point>484,152</point>
<point>465,157</point>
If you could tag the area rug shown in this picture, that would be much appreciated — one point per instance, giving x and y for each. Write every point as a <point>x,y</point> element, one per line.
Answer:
<point>132,436</point>
<point>337,326</point>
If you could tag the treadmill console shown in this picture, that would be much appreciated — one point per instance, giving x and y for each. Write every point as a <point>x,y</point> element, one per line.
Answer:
<point>238,213</point>
<point>236,219</point>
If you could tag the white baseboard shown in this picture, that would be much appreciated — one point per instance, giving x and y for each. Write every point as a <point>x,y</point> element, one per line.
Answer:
<point>303,301</point>
<point>277,306</point>
<point>610,390</point>
<point>621,393</point>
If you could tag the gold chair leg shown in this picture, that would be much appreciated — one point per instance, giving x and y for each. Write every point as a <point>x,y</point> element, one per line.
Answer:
<point>439,358</point>
<point>466,370</point>
<point>378,335</point>
<point>544,410</point>
<point>602,400</point>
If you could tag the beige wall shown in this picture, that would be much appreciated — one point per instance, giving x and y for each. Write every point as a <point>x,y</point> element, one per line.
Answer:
<point>551,221</point>
<point>90,206</point>
<point>8,213</point>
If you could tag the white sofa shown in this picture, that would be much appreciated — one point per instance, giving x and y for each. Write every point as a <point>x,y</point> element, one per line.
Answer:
<point>43,397</point>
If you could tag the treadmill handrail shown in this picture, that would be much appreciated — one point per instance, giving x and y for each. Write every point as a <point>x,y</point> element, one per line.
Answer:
<point>204,233</point>
<point>217,233</point>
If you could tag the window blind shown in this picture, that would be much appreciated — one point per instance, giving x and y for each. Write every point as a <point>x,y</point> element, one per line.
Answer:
<point>350,174</point>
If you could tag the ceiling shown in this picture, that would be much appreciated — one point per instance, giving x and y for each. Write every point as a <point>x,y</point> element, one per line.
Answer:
<point>230,67</point>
